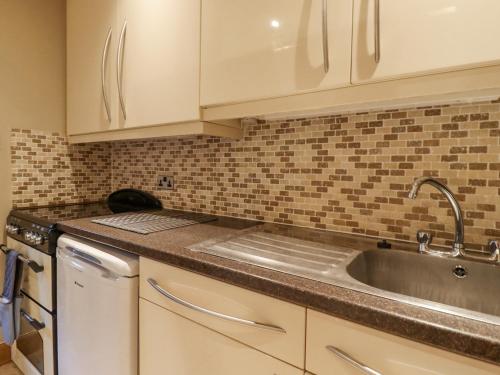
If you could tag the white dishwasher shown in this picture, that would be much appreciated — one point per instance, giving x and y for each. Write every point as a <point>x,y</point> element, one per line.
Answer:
<point>97,309</point>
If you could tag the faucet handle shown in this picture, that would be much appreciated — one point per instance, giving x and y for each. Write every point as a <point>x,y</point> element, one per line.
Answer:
<point>424,238</point>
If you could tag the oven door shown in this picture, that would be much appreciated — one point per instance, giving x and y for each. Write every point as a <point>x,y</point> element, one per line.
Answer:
<point>38,283</point>
<point>33,351</point>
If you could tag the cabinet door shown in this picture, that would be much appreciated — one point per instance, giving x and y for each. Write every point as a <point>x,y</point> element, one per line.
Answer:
<point>259,49</point>
<point>423,36</point>
<point>160,59</point>
<point>387,354</point>
<point>286,344</point>
<point>89,23</point>
<point>171,344</point>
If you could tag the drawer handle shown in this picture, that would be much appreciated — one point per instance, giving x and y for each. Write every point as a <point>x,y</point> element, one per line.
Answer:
<point>346,357</point>
<point>189,305</point>
<point>32,321</point>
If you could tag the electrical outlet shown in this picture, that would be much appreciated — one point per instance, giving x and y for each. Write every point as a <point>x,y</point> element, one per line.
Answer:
<point>166,182</point>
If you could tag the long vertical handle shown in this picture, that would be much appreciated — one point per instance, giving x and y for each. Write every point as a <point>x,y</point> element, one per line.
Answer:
<point>377,31</point>
<point>103,73</point>
<point>119,68</point>
<point>326,57</point>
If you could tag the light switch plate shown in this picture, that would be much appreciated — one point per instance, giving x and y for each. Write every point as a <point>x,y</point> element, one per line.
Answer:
<point>165,182</point>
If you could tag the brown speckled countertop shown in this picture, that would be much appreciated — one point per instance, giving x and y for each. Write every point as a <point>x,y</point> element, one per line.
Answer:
<point>453,333</point>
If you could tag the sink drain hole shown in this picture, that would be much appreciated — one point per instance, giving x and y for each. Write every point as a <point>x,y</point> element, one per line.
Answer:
<point>460,272</point>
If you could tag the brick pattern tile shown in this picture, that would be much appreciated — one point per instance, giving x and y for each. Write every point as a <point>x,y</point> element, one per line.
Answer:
<point>47,170</point>
<point>348,172</point>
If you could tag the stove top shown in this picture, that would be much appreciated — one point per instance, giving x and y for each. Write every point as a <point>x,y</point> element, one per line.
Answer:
<point>51,215</point>
<point>36,226</point>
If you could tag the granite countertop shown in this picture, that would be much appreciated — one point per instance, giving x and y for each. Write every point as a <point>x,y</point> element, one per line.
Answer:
<point>453,333</point>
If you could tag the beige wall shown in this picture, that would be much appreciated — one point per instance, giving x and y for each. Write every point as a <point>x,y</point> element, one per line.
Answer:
<point>32,75</point>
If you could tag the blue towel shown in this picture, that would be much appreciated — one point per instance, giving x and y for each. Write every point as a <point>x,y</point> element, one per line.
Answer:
<point>11,298</point>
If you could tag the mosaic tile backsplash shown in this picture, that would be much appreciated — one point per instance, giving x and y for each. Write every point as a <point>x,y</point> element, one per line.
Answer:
<point>348,172</point>
<point>47,170</point>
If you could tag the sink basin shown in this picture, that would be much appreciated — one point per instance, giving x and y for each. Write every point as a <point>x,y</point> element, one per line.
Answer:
<point>450,281</point>
<point>454,286</point>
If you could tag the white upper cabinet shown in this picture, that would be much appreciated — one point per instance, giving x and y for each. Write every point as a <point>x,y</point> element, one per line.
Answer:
<point>416,37</point>
<point>159,63</point>
<point>262,49</point>
<point>146,72</point>
<point>91,74</point>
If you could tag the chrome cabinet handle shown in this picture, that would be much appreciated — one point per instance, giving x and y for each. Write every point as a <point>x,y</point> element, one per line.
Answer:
<point>30,263</point>
<point>377,31</point>
<point>191,306</point>
<point>119,68</point>
<point>346,357</point>
<point>32,321</point>
<point>103,73</point>
<point>326,56</point>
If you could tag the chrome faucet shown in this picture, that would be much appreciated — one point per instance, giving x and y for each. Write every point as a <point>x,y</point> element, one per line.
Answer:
<point>424,238</point>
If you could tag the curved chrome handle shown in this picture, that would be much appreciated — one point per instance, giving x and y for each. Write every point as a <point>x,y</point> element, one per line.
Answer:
<point>119,68</point>
<point>32,321</point>
<point>354,363</point>
<point>326,56</point>
<point>103,73</point>
<point>377,31</point>
<point>189,305</point>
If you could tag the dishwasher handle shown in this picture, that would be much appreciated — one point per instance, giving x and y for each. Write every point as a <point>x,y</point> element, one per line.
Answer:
<point>69,252</point>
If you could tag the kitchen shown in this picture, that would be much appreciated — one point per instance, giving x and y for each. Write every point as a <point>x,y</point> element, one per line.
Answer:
<point>250,187</point>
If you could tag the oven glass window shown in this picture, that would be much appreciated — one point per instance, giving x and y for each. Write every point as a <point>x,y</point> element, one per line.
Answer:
<point>29,342</point>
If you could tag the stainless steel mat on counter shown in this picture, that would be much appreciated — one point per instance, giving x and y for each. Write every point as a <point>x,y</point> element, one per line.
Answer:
<point>287,254</point>
<point>147,222</point>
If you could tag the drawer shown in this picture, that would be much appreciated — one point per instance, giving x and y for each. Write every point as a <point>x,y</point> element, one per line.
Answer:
<point>382,352</point>
<point>38,286</point>
<point>228,309</point>
<point>173,345</point>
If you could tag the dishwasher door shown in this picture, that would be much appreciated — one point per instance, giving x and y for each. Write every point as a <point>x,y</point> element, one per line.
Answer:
<point>97,321</point>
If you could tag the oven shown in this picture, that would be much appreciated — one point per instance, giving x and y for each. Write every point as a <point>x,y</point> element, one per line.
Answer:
<point>35,350</point>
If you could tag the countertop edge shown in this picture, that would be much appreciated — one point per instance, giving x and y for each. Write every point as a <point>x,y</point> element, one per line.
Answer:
<point>418,330</point>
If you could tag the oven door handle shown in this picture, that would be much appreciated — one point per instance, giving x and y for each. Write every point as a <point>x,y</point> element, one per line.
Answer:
<point>32,321</point>
<point>30,263</point>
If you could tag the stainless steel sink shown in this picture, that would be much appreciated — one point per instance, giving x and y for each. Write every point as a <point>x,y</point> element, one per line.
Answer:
<point>455,282</point>
<point>455,286</point>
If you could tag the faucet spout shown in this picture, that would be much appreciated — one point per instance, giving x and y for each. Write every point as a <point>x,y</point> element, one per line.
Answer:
<point>458,245</point>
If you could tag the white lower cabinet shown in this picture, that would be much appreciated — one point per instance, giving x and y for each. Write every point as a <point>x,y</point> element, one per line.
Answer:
<point>267,324</point>
<point>173,345</point>
<point>382,352</point>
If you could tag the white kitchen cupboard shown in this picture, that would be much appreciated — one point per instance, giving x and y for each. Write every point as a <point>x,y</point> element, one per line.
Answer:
<point>91,39</point>
<point>262,49</point>
<point>423,36</point>
<point>173,345</point>
<point>146,72</point>
<point>382,352</point>
<point>286,342</point>
<point>160,76</point>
